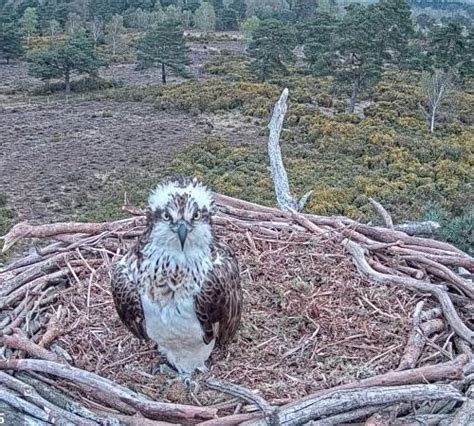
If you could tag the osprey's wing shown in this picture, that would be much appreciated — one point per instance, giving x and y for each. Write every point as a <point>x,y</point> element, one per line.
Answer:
<point>219,303</point>
<point>127,301</point>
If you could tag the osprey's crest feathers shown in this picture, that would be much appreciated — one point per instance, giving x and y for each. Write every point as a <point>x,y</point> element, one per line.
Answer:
<point>179,285</point>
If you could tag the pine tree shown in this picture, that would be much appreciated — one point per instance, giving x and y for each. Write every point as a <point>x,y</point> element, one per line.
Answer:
<point>10,39</point>
<point>393,27</point>
<point>318,37</point>
<point>240,8</point>
<point>361,67</point>
<point>271,48</point>
<point>304,10</point>
<point>75,56</point>
<point>450,48</point>
<point>164,45</point>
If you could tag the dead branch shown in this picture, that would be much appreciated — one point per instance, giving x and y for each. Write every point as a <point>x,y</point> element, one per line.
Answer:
<point>350,416</point>
<point>60,400</point>
<point>417,338</point>
<point>285,200</point>
<point>23,406</point>
<point>421,286</point>
<point>149,408</point>
<point>345,400</point>
<point>418,228</point>
<point>19,341</point>
<point>382,212</point>
<point>24,230</point>
<point>29,394</point>
<point>465,415</point>
<point>53,328</point>
<point>246,394</point>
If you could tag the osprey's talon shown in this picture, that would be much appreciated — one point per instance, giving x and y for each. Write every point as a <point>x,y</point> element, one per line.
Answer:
<point>191,385</point>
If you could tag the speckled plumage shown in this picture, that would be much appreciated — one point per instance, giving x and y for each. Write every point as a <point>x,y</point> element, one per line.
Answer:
<point>185,296</point>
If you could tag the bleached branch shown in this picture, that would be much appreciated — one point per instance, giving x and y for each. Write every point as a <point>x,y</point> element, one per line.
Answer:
<point>285,200</point>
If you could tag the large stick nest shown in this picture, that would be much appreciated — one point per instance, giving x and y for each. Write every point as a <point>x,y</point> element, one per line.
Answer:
<point>342,321</point>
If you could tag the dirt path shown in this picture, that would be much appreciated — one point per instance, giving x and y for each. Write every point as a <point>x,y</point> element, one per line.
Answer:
<point>54,156</point>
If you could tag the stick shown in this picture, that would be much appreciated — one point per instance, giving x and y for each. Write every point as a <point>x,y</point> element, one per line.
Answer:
<point>336,402</point>
<point>246,394</point>
<point>29,394</point>
<point>149,408</point>
<point>421,286</point>
<point>19,341</point>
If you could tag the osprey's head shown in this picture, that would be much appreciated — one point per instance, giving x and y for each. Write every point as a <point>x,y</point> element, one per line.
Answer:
<point>180,212</point>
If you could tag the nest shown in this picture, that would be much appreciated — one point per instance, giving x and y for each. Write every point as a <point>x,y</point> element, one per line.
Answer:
<point>342,322</point>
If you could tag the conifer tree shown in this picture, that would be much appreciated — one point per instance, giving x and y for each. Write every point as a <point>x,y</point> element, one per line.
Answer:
<point>164,45</point>
<point>61,60</point>
<point>10,39</point>
<point>271,48</point>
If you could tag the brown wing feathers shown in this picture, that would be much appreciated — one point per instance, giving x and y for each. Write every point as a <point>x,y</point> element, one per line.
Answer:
<point>127,302</point>
<point>219,304</point>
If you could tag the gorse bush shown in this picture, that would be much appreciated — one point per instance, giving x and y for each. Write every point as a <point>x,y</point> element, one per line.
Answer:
<point>83,85</point>
<point>210,96</point>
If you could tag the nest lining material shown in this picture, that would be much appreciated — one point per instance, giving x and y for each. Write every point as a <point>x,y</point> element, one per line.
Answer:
<point>310,322</point>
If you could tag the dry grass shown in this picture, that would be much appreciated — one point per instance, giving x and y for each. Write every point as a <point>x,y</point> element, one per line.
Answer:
<point>310,322</point>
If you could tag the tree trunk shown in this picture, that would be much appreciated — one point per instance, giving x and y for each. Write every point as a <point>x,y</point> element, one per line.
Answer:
<point>432,121</point>
<point>67,80</point>
<point>355,92</point>
<point>163,73</point>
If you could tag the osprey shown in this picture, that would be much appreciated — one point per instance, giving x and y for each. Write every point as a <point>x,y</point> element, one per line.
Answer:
<point>180,286</point>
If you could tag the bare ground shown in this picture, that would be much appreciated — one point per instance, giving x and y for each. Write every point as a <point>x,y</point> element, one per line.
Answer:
<point>56,156</point>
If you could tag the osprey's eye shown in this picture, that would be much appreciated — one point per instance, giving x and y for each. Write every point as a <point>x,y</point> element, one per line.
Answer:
<point>166,217</point>
<point>197,215</point>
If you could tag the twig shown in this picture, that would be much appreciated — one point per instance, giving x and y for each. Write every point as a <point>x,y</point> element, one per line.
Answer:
<point>246,394</point>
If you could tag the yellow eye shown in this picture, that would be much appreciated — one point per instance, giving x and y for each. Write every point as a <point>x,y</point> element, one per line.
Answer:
<point>197,215</point>
<point>165,216</point>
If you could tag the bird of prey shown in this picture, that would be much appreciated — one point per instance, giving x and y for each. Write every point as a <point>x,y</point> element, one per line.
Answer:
<point>179,285</point>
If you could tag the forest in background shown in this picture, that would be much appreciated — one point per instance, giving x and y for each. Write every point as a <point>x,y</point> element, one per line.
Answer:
<point>380,96</point>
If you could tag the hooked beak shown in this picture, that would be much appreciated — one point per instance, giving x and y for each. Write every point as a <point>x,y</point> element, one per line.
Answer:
<point>182,234</point>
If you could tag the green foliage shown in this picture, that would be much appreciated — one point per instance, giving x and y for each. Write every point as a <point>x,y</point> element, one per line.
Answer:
<point>210,96</point>
<point>7,215</point>
<point>205,17</point>
<point>10,39</point>
<point>114,34</point>
<point>83,85</point>
<point>60,60</point>
<point>344,159</point>
<point>355,48</point>
<point>271,49</point>
<point>29,23</point>
<point>318,37</point>
<point>231,67</point>
<point>457,230</point>
<point>164,45</point>
<point>248,27</point>
<point>450,48</point>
